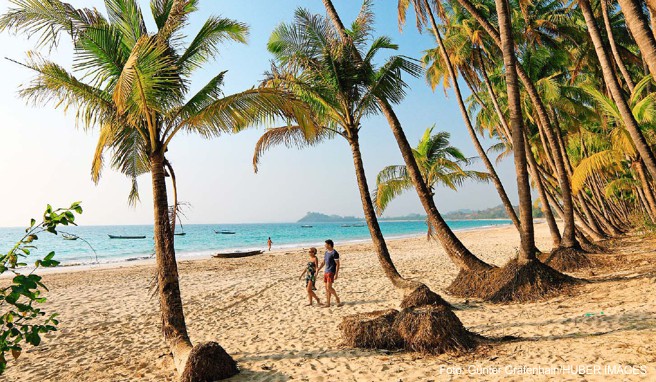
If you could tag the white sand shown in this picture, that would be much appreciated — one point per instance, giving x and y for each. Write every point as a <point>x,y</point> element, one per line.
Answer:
<point>254,307</point>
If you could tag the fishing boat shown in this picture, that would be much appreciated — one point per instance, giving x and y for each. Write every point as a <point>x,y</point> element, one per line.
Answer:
<point>180,233</point>
<point>346,225</point>
<point>225,232</point>
<point>125,237</point>
<point>237,254</point>
<point>69,237</point>
<point>306,226</point>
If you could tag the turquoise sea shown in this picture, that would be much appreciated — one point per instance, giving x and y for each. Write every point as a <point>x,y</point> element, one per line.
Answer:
<point>202,241</point>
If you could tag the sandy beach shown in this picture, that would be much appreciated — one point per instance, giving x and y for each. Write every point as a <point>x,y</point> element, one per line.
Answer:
<point>254,307</point>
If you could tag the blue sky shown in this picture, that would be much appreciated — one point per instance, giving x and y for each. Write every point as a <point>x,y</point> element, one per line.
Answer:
<point>45,159</point>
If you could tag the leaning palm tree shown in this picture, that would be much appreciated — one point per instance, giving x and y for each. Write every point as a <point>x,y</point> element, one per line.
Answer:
<point>462,257</point>
<point>133,86</point>
<point>311,62</point>
<point>440,164</point>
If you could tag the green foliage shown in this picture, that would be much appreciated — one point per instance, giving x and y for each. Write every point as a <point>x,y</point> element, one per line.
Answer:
<point>21,320</point>
<point>439,163</point>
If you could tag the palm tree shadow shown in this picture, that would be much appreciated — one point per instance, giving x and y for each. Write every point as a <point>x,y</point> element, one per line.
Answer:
<point>622,278</point>
<point>629,322</point>
<point>264,375</point>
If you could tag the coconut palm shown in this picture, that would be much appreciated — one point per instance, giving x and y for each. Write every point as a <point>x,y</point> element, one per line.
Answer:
<point>610,79</point>
<point>454,248</point>
<point>424,15</point>
<point>440,164</point>
<point>617,154</point>
<point>133,86</point>
<point>569,242</point>
<point>311,62</point>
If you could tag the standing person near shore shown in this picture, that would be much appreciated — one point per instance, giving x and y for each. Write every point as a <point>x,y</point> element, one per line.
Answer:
<point>310,274</point>
<point>331,261</point>
<point>269,242</point>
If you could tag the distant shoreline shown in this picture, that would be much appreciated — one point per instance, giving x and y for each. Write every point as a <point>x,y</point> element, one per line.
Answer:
<point>200,256</point>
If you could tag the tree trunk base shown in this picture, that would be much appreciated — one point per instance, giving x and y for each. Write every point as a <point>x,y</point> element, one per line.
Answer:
<point>423,296</point>
<point>513,283</point>
<point>374,330</point>
<point>567,259</point>
<point>208,362</point>
<point>434,329</point>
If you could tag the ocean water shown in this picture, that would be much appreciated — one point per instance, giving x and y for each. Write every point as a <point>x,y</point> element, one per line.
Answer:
<point>202,241</point>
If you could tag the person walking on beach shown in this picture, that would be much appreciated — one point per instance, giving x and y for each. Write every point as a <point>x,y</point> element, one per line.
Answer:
<point>310,274</point>
<point>331,261</point>
<point>269,242</point>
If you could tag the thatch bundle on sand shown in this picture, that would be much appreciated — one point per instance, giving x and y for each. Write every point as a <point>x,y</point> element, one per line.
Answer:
<point>208,362</point>
<point>373,330</point>
<point>514,282</point>
<point>433,329</point>
<point>567,259</point>
<point>423,296</point>
<point>429,329</point>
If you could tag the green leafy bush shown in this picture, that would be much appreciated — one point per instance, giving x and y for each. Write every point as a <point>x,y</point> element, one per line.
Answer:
<point>21,321</point>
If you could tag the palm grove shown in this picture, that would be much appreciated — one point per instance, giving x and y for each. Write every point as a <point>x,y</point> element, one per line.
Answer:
<point>563,87</point>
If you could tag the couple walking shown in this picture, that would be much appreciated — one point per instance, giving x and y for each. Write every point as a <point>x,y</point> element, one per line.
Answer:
<point>331,261</point>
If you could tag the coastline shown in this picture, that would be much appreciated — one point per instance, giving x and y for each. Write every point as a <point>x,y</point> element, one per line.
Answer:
<point>205,255</point>
<point>254,307</point>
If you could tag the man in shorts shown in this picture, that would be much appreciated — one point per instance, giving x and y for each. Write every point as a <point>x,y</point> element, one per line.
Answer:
<point>331,261</point>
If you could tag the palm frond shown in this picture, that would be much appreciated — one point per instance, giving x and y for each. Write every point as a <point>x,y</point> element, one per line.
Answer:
<point>205,45</point>
<point>290,137</point>
<point>126,16</point>
<point>47,20</point>
<point>390,183</point>
<point>594,163</point>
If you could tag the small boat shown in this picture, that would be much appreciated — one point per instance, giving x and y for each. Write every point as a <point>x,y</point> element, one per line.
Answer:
<point>180,233</point>
<point>237,254</point>
<point>225,232</point>
<point>306,226</point>
<point>69,237</point>
<point>346,225</point>
<point>126,237</point>
<point>358,225</point>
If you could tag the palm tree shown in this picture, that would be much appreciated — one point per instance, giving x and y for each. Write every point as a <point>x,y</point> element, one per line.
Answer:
<point>312,63</point>
<point>569,243</point>
<point>643,35</point>
<point>440,164</point>
<point>134,87</point>
<point>610,79</point>
<point>454,248</point>
<point>526,252</point>
<point>423,12</point>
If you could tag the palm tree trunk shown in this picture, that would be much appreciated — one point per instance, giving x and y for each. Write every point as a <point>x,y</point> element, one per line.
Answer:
<point>470,129</point>
<point>526,253</point>
<point>640,31</point>
<point>644,181</point>
<point>611,80</point>
<point>613,47</point>
<point>568,235</point>
<point>546,209</point>
<point>170,301</point>
<point>493,97</point>
<point>174,184</point>
<point>454,248</point>
<point>372,222</point>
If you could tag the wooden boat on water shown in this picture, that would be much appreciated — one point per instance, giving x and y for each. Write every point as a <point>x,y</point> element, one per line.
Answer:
<point>69,237</point>
<point>126,237</point>
<point>180,233</point>
<point>306,226</point>
<point>225,232</point>
<point>237,254</point>
<point>346,225</point>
